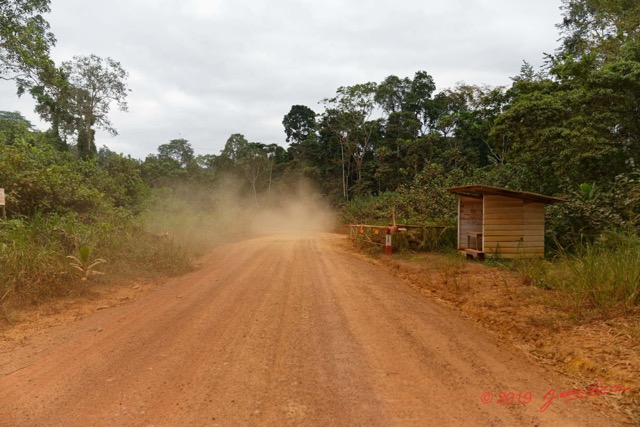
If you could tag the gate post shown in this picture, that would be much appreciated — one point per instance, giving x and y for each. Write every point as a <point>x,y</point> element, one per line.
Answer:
<point>387,247</point>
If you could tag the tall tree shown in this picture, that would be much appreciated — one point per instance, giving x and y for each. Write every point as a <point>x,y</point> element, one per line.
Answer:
<point>580,122</point>
<point>25,42</point>
<point>274,154</point>
<point>298,123</point>
<point>355,106</point>
<point>234,146</point>
<point>602,27</point>
<point>95,83</point>
<point>392,93</point>
<point>177,150</point>
<point>253,160</point>
<point>419,100</point>
<point>53,104</point>
<point>247,159</point>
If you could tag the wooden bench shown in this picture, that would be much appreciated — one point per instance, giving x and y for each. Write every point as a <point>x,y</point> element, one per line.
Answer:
<point>472,253</point>
<point>474,240</point>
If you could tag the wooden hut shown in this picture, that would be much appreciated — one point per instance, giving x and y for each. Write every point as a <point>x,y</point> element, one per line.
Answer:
<point>500,222</point>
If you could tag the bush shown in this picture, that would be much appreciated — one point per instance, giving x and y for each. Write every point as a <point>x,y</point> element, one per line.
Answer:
<point>372,210</point>
<point>39,179</point>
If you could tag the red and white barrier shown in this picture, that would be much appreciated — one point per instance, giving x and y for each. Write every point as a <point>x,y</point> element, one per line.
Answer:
<point>387,246</point>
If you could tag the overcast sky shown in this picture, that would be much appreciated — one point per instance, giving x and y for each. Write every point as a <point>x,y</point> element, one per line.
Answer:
<point>205,69</point>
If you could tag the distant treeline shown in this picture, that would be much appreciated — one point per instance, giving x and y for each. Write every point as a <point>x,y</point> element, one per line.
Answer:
<point>570,129</point>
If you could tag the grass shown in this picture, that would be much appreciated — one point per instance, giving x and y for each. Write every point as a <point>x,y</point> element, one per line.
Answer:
<point>597,275</point>
<point>603,273</point>
<point>37,254</point>
<point>30,261</point>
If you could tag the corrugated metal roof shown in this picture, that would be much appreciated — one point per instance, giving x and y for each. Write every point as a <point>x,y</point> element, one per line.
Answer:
<point>480,190</point>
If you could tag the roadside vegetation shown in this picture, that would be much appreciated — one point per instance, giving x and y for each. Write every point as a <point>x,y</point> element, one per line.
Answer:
<point>569,129</point>
<point>599,274</point>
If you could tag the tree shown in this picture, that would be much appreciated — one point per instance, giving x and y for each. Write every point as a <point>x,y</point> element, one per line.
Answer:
<point>13,127</point>
<point>419,101</point>
<point>233,147</point>
<point>177,150</point>
<point>25,42</point>
<point>298,123</point>
<point>95,83</point>
<point>53,104</point>
<point>123,182</point>
<point>253,160</point>
<point>352,108</point>
<point>248,158</point>
<point>579,121</point>
<point>601,27</point>
<point>274,154</point>
<point>473,115</point>
<point>391,94</point>
<point>395,155</point>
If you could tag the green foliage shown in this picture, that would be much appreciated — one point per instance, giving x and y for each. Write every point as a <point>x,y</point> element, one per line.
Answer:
<point>25,41</point>
<point>426,200</point>
<point>14,127</point>
<point>424,203</point>
<point>30,262</point>
<point>430,238</point>
<point>602,26</point>
<point>351,121</point>
<point>578,122</point>
<point>590,211</point>
<point>178,151</point>
<point>41,179</point>
<point>596,274</point>
<point>370,210</point>
<point>35,253</point>
<point>94,84</point>
<point>299,123</point>
<point>59,207</point>
<point>120,178</point>
<point>83,264</point>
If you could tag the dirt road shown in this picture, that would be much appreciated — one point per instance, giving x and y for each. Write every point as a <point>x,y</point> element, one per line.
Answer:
<point>278,330</point>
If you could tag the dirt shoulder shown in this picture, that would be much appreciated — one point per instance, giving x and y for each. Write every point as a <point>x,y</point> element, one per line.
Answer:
<point>604,349</point>
<point>19,323</point>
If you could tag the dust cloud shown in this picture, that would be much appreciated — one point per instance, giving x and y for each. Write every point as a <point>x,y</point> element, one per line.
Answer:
<point>294,213</point>
<point>200,217</point>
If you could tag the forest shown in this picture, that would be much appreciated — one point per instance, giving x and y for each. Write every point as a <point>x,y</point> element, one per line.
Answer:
<point>569,129</point>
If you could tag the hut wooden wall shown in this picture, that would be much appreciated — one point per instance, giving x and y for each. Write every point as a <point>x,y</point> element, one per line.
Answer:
<point>513,228</point>
<point>469,218</point>
<point>534,229</point>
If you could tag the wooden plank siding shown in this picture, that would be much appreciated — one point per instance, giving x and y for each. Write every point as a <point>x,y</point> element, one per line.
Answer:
<point>534,228</point>
<point>512,220</point>
<point>469,219</point>
<point>513,228</point>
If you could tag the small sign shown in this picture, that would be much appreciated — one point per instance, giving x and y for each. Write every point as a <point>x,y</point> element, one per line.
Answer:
<point>1,196</point>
